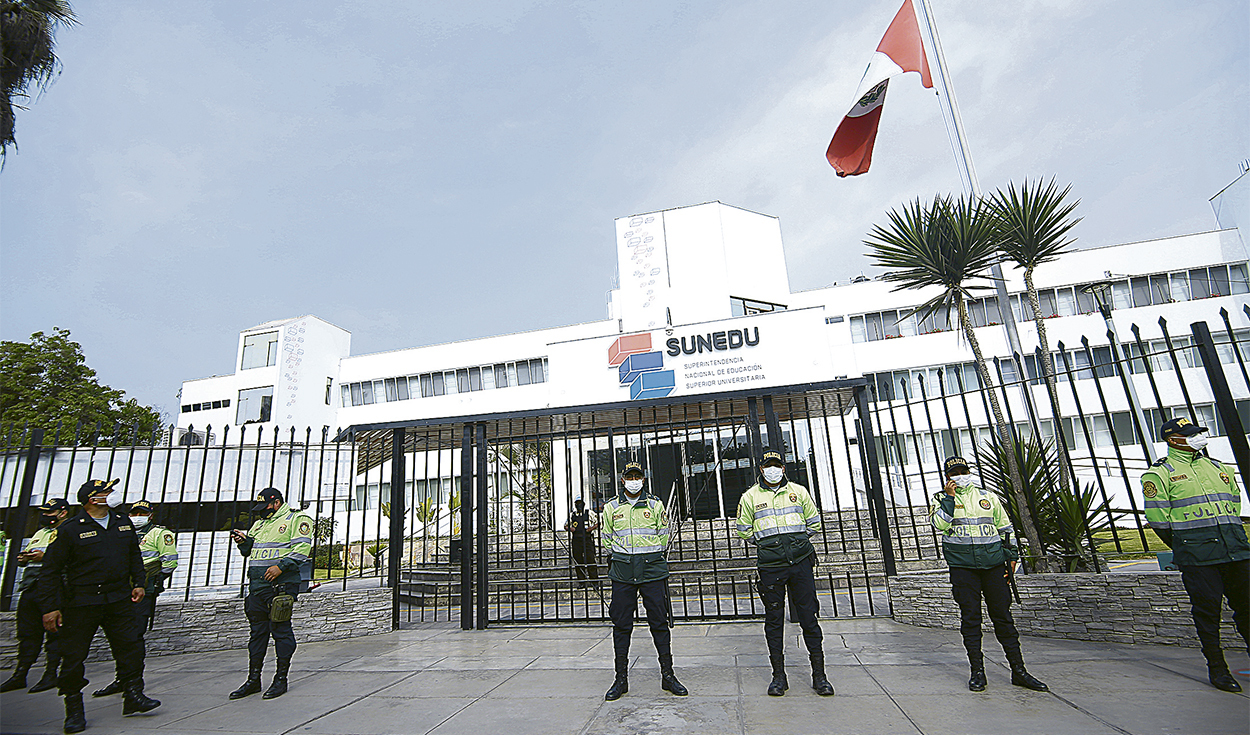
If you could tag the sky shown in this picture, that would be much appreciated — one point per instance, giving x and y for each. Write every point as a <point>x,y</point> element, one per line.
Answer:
<point>419,173</point>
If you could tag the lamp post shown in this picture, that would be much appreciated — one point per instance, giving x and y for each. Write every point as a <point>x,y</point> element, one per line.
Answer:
<point>1101,292</point>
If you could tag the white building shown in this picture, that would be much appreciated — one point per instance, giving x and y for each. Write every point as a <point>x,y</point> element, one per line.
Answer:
<point>703,306</point>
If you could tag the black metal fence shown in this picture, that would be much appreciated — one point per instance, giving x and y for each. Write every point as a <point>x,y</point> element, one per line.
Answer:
<point>466,520</point>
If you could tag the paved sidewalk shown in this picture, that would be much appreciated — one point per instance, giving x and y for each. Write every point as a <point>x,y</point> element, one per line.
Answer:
<point>890,678</point>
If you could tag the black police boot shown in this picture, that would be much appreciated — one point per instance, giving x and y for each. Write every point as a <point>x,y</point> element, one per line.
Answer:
<point>620,686</point>
<point>976,682</point>
<point>114,688</point>
<point>135,702</point>
<point>779,684</point>
<point>17,681</point>
<point>252,685</point>
<point>48,680</point>
<point>278,687</point>
<point>820,682</point>
<point>668,680</point>
<point>1221,679</point>
<point>75,717</point>
<point>1022,678</point>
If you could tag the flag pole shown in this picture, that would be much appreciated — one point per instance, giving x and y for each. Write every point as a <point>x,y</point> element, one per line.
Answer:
<point>967,172</point>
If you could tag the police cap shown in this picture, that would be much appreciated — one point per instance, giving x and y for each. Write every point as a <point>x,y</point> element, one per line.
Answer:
<point>771,456</point>
<point>141,506</point>
<point>954,463</point>
<point>265,497</point>
<point>1180,427</point>
<point>633,468</point>
<point>94,487</point>
<point>53,505</point>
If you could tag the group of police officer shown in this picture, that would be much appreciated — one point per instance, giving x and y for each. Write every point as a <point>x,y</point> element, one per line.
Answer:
<point>1193,503</point>
<point>105,569</point>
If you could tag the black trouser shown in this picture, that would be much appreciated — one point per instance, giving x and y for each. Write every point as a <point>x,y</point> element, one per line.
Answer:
<point>121,628</point>
<point>256,606</point>
<point>1208,586</point>
<point>584,557</point>
<point>800,580</point>
<point>969,586</point>
<point>622,610</point>
<point>30,632</point>
<point>145,609</point>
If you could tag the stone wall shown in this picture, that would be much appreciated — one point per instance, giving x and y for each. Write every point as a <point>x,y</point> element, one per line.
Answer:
<point>1131,607</point>
<point>218,625</point>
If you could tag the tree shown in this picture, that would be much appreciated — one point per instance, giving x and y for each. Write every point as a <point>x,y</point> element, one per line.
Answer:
<point>47,381</point>
<point>946,245</point>
<point>323,529</point>
<point>28,47</point>
<point>1032,228</point>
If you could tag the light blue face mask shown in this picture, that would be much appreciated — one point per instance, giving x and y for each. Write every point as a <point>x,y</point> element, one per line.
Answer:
<point>964,480</point>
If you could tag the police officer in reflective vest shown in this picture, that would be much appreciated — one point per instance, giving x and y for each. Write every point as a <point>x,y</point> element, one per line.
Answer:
<point>92,577</point>
<point>1193,503</point>
<point>635,529</point>
<point>778,517</point>
<point>30,632</point>
<point>160,559</point>
<point>976,541</point>
<point>276,547</point>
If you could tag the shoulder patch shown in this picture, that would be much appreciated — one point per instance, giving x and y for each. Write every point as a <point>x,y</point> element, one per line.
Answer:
<point>169,538</point>
<point>305,527</point>
<point>1149,489</point>
<point>985,503</point>
<point>794,498</point>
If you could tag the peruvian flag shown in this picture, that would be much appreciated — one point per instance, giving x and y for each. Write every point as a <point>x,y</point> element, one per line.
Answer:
<point>900,50</point>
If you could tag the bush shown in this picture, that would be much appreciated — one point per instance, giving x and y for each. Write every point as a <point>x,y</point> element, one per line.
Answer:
<point>328,557</point>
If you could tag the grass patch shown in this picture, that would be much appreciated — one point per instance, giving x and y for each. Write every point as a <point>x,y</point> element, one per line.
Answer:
<point>1130,543</point>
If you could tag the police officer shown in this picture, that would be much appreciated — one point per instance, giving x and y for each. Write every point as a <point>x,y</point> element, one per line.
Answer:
<point>581,525</point>
<point>160,559</point>
<point>1193,503</point>
<point>30,632</point>
<point>92,577</point>
<point>276,546</point>
<point>778,517</point>
<point>635,529</point>
<point>976,541</point>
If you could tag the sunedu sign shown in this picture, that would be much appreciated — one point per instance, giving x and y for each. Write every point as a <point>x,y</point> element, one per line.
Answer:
<point>745,353</point>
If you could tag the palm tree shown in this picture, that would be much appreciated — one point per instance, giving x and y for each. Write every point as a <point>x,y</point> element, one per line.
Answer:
<point>27,48</point>
<point>1033,224</point>
<point>946,245</point>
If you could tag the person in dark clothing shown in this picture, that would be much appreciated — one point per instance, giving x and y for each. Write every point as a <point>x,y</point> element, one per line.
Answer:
<point>92,577</point>
<point>581,525</point>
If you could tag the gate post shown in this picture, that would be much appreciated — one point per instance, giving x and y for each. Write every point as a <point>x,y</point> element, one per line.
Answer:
<point>753,431</point>
<point>1224,399</point>
<point>774,428</point>
<point>466,528</point>
<point>396,550</point>
<point>872,475</point>
<point>20,518</point>
<point>483,508</point>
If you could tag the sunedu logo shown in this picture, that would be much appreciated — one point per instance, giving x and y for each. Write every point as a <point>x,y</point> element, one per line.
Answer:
<point>640,368</point>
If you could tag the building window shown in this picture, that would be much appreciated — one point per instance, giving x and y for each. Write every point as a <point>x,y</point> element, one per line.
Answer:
<point>747,307</point>
<point>205,406</point>
<point>255,405</point>
<point>329,386</point>
<point>260,350</point>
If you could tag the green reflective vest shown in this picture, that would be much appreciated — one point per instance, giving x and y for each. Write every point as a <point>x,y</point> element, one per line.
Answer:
<point>637,535</point>
<point>159,551</point>
<point>283,540</point>
<point>976,532</point>
<point>779,522</point>
<point>1197,499</point>
<point>38,542</point>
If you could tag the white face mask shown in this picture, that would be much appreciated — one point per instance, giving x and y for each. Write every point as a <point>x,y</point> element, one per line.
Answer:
<point>633,486</point>
<point>114,498</point>
<point>1198,441</point>
<point>140,521</point>
<point>773,474</point>
<point>964,480</point>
